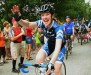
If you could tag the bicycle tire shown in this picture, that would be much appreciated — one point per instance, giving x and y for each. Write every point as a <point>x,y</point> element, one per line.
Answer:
<point>66,54</point>
<point>81,41</point>
<point>63,69</point>
<point>70,51</point>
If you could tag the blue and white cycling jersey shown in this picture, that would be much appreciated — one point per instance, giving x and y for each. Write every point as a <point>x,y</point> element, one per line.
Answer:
<point>69,27</point>
<point>55,32</point>
<point>89,24</point>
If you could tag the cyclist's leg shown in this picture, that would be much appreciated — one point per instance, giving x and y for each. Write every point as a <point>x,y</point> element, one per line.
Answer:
<point>58,64</point>
<point>66,37</point>
<point>72,37</point>
<point>42,54</point>
<point>57,70</point>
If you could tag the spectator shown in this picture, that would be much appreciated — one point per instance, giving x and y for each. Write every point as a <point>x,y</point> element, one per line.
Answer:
<point>2,47</point>
<point>38,42</point>
<point>29,42</point>
<point>7,41</point>
<point>16,46</point>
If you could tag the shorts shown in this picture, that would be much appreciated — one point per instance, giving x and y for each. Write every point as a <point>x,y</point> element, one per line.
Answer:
<point>29,40</point>
<point>68,36</point>
<point>24,44</point>
<point>16,50</point>
<point>60,56</point>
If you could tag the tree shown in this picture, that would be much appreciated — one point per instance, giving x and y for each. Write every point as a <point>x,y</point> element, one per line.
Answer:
<point>73,8</point>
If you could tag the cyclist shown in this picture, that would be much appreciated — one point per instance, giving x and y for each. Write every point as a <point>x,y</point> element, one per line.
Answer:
<point>69,29</point>
<point>89,33</point>
<point>83,29</point>
<point>89,24</point>
<point>76,26</point>
<point>54,33</point>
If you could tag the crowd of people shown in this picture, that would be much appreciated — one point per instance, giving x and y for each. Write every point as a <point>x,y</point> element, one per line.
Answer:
<point>16,40</point>
<point>45,35</point>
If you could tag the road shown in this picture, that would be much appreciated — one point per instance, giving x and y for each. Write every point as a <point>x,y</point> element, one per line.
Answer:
<point>79,63</point>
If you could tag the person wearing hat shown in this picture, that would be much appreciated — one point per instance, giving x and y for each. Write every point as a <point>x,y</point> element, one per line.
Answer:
<point>16,46</point>
<point>69,29</point>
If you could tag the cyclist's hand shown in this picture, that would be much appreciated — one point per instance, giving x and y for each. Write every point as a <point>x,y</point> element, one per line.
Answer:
<point>16,12</point>
<point>50,68</point>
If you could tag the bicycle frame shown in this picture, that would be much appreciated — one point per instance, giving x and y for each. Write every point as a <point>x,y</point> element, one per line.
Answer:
<point>42,68</point>
<point>69,47</point>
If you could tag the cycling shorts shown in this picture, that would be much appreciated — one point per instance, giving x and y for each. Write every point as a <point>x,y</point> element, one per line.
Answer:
<point>60,56</point>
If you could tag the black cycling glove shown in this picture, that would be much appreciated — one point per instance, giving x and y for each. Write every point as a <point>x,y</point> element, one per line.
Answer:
<point>51,66</point>
<point>17,16</point>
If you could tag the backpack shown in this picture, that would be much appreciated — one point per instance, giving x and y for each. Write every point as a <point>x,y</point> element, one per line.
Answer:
<point>17,31</point>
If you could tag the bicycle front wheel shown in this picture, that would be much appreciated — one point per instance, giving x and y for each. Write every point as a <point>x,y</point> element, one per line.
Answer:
<point>63,69</point>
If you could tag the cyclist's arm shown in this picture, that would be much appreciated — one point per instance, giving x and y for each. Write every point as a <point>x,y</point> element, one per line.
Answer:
<point>25,23</point>
<point>88,25</point>
<point>87,28</point>
<point>64,28</point>
<point>57,50</point>
<point>59,37</point>
<point>73,30</point>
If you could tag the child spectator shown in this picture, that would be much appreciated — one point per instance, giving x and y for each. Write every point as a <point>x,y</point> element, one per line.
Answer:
<point>37,37</point>
<point>2,47</point>
<point>7,41</point>
<point>16,46</point>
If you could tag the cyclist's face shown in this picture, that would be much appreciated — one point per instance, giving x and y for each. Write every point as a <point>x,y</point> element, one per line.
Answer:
<point>68,20</point>
<point>47,18</point>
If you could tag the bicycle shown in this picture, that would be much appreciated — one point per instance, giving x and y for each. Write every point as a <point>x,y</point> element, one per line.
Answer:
<point>82,37</point>
<point>69,46</point>
<point>43,68</point>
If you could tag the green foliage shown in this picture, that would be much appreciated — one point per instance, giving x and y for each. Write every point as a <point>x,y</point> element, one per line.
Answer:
<point>74,8</point>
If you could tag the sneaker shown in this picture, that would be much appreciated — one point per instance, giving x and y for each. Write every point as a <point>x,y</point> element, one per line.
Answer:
<point>15,70</point>
<point>29,58</point>
<point>22,66</point>
<point>5,62</point>
<point>1,64</point>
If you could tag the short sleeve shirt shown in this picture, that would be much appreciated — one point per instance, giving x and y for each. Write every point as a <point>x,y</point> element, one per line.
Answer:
<point>69,27</point>
<point>56,31</point>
